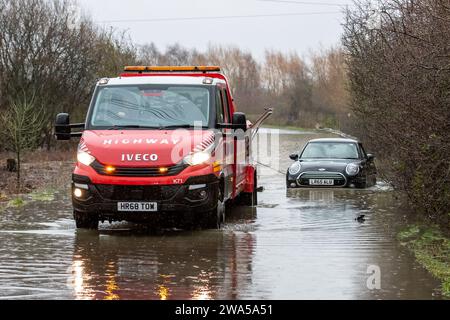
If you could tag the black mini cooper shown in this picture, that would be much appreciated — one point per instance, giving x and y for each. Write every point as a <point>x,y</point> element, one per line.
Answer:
<point>332,162</point>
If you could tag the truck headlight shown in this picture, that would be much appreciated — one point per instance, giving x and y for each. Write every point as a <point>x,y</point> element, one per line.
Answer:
<point>352,169</point>
<point>85,158</point>
<point>197,158</point>
<point>295,168</point>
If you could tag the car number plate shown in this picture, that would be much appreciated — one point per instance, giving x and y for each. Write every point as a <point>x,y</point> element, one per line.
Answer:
<point>137,206</point>
<point>321,182</point>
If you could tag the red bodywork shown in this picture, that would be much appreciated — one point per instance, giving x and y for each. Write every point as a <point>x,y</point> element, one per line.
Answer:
<point>109,146</point>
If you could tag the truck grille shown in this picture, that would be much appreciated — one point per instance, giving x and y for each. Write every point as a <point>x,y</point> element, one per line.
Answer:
<point>138,171</point>
<point>130,192</point>
<point>339,179</point>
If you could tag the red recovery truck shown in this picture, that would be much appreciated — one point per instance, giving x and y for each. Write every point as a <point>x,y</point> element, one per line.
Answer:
<point>161,144</point>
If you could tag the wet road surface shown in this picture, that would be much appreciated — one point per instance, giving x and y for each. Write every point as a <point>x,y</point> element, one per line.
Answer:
<point>296,244</point>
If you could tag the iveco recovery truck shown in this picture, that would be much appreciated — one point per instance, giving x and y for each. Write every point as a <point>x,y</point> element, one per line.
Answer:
<point>161,144</point>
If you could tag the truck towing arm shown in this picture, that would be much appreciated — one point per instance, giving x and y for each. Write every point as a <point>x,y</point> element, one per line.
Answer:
<point>255,126</point>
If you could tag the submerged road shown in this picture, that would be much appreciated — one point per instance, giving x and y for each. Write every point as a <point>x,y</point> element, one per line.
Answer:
<point>301,244</point>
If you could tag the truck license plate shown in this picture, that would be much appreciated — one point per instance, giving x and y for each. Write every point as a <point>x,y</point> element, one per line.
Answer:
<point>137,206</point>
<point>321,182</point>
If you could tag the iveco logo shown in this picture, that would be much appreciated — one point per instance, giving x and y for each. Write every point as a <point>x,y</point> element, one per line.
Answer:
<point>139,157</point>
<point>322,169</point>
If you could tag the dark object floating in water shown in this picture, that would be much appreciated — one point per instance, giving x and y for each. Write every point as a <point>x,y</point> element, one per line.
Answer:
<point>360,218</point>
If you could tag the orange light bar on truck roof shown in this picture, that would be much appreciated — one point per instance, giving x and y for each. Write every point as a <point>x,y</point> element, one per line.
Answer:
<point>171,68</point>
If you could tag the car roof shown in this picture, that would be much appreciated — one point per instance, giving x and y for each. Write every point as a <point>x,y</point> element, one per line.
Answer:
<point>347,140</point>
<point>188,80</point>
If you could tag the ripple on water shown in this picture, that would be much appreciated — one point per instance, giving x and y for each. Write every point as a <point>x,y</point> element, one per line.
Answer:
<point>293,245</point>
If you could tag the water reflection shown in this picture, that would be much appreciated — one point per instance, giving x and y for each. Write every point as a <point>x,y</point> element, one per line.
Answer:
<point>177,265</point>
<point>297,244</point>
<point>78,279</point>
<point>321,195</point>
<point>360,200</point>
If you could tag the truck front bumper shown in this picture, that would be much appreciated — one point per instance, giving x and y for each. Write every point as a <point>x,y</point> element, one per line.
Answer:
<point>198,194</point>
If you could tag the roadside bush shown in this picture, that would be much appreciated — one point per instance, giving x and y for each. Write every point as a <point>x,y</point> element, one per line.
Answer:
<point>398,54</point>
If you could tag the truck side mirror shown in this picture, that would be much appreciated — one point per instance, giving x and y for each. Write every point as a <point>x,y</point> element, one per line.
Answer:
<point>370,157</point>
<point>239,121</point>
<point>294,156</point>
<point>62,126</point>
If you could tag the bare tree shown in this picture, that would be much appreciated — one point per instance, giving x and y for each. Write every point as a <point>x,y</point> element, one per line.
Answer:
<point>111,51</point>
<point>149,55</point>
<point>48,48</point>
<point>22,122</point>
<point>44,51</point>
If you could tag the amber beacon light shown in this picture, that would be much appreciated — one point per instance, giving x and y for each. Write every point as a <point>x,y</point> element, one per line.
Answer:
<point>172,68</point>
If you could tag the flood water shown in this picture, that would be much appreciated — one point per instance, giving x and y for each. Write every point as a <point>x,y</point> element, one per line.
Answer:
<point>301,244</point>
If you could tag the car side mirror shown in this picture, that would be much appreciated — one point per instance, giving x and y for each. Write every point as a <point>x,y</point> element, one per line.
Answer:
<point>294,156</point>
<point>370,156</point>
<point>63,128</point>
<point>239,121</point>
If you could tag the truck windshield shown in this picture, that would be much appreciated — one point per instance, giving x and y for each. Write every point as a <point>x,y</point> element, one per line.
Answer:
<point>147,106</point>
<point>330,150</point>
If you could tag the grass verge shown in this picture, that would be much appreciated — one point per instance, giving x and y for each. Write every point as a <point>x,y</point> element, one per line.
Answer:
<point>431,248</point>
<point>44,195</point>
<point>16,202</point>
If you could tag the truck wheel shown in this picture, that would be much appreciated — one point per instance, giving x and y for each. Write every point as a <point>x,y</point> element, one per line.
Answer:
<point>85,220</point>
<point>250,198</point>
<point>213,219</point>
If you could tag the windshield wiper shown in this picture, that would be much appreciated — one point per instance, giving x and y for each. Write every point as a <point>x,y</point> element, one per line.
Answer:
<point>132,126</point>
<point>176,126</point>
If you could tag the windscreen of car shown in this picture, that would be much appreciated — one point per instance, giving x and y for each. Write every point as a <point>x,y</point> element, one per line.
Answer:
<point>151,106</point>
<point>330,150</point>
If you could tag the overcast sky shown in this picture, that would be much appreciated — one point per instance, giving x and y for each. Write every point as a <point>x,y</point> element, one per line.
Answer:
<point>300,26</point>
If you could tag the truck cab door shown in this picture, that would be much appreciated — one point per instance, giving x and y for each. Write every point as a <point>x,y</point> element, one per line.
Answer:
<point>226,145</point>
<point>236,147</point>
